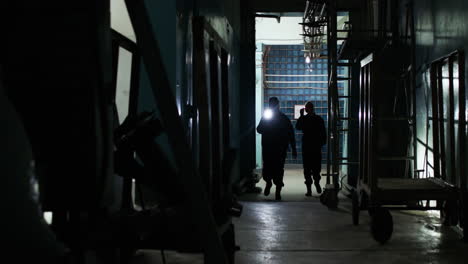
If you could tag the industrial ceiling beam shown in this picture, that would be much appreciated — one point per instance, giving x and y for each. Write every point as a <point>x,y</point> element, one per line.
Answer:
<point>280,6</point>
<point>278,17</point>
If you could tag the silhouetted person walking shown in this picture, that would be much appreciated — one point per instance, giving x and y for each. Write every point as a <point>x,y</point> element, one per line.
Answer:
<point>313,139</point>
<point>277,134</point>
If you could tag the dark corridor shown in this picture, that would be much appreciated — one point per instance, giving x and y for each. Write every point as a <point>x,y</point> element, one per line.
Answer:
<point>135,136</point>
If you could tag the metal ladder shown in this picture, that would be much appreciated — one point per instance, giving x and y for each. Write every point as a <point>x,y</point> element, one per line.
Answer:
<point>336,130</point>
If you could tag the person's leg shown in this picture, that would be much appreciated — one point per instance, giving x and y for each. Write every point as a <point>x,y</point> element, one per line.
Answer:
<point>316,165</point>
<point>278,181</point>
<point>307,171</point>
<point>267,173</point>
<point>279,174</point>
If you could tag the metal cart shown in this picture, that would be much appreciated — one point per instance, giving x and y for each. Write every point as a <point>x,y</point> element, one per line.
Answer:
<point>388,174</point>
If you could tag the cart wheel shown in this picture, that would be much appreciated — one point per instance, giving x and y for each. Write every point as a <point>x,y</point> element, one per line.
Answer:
<point>381,224</point>
<point>355,209</point>
<point>329,198</point>
<point>449,213</point>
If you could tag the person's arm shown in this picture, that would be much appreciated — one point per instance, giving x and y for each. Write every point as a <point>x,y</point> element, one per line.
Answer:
<point>261,126</point>
<point>300,123</point>
<point>292,139</point>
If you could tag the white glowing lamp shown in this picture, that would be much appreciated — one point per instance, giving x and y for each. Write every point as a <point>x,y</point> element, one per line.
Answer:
<point>307,59</point>
<point>268,114</point>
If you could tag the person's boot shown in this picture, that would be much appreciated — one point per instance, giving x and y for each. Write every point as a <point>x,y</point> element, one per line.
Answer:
<point>278,193</point>
<point>267,188</point>
<point>309,190</point>
<point>317,186</point>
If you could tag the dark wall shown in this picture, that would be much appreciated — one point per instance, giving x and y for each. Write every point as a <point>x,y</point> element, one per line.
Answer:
<point>235,25</point>
<point>247,90</point>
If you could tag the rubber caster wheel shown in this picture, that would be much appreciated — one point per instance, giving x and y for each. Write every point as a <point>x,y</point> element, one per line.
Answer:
<point>329,198</point>
<point>355,208</point>
<point>449,213</point>
<point>381,224</point>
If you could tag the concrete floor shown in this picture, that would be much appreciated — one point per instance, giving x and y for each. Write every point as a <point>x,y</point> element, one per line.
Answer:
<point>293,190</point>
<point>301,230</point>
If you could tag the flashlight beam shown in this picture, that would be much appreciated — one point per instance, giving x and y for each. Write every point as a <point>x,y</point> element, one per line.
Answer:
<point>268,114</point>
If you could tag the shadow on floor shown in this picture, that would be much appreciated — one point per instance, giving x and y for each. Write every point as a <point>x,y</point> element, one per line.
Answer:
<point>293,191</point>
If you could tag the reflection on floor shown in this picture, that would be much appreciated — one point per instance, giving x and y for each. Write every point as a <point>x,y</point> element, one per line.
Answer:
<point>307,232</point>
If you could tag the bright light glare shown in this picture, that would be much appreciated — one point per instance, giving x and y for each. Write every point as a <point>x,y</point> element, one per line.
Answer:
<point>307,59</point>
<point>268,114</point>
<point>48,217</point>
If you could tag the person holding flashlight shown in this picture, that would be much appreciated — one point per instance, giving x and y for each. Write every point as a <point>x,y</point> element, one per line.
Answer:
<point>313,139</point>
<point>277,134</point>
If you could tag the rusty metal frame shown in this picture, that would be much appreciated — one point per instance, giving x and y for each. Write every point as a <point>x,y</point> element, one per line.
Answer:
<point>435,123</point>
<point>462,119</point>
<point>440,162</point>
<point>333,147</point>
<point>120,41</point>
<point>440,123</point>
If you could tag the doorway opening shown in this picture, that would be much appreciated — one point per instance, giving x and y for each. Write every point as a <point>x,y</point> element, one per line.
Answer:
<point>285,70</point>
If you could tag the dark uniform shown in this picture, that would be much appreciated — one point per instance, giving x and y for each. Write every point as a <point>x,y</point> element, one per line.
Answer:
<point>277,134</point>
<point>313,139</point>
